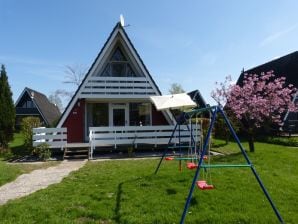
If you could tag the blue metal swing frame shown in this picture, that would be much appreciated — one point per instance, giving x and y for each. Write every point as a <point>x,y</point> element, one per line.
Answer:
<point>214,111</point>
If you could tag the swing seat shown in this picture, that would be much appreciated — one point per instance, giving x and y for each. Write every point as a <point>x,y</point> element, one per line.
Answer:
<point>169,158</point>
<point>202,184</point>
<point>191,165</point>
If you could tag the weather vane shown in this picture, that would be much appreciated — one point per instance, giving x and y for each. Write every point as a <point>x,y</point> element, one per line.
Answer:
<point>122,22</point>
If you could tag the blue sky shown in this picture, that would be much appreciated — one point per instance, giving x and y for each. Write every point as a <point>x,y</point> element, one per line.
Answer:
<point>194,43</point>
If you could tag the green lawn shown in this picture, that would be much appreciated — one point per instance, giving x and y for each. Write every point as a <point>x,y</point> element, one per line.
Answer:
<point>17,145</point>
<point>128,192</point>
<point>10,171</point>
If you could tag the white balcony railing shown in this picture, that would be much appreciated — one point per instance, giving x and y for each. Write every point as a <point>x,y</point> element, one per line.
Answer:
<point>120,87</point>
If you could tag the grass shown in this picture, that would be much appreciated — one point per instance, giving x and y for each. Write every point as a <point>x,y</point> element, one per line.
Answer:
<point>128,192</point>
<point>18,140</point>
<point>10,171</point>
<point>17,145</point>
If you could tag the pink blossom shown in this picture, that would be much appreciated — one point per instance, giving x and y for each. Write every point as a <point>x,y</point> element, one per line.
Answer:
<point>261,97</point>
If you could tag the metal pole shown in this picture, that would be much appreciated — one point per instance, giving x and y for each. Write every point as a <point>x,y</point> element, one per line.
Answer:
<point>252,167</point>
<point>166,150</point>
<point>198,168</point>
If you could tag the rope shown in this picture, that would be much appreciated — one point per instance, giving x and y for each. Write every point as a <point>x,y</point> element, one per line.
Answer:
<point>209,158</point>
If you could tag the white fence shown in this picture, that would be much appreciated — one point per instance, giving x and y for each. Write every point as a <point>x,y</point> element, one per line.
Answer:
<point>54,137</point>
<point>133,135</point>
<point>113,136</point>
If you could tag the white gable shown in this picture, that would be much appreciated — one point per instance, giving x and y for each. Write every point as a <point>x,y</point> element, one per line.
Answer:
<point>97,85</point>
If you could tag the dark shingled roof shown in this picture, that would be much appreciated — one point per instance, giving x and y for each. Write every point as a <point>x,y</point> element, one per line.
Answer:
<point>286,66</point>
<point>48,110</point>
<point>196,96</point>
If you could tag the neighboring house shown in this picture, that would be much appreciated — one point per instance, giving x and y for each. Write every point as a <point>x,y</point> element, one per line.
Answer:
<point>286,66</point>
<point>36,104</point>
<point>114,95</point>
<point>196,96</point>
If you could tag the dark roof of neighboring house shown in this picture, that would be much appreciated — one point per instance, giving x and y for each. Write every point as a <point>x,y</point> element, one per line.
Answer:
<point>286,66</point>
<point>197,98</point>
<point>48,110</point>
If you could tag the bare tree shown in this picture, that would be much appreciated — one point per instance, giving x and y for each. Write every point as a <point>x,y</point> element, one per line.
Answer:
<point>55,99</point>
<point>74,74</point>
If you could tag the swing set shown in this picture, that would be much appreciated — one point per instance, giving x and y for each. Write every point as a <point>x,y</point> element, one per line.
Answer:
<point>199,157</point>
<point>194,146</point>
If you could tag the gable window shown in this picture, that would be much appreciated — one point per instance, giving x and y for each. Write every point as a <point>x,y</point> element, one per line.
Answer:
<point>28,104</point>
<point>119,66</point>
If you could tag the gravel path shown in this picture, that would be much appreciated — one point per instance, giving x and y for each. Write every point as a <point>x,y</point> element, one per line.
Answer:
<point>37,179</point>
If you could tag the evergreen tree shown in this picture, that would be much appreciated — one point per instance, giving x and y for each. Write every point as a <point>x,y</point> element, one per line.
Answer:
<point>7,110</point>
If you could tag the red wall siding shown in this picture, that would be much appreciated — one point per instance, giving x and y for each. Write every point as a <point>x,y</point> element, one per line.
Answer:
<point>75,122</point>
<point>158,117</point>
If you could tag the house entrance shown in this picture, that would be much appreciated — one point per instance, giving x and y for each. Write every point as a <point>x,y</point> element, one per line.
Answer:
<point>119,115</point>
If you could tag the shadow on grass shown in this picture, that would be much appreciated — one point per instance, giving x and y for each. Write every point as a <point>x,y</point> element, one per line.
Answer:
<point>193,201</point>
<point>218,145</point>
<point>118,202</point>
<point>17,152</point>
<point>171,191</point>
<point>230,158</point>
<point>117,209</point>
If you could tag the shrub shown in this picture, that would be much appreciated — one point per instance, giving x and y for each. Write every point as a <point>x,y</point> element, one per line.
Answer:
<point>28,123</point>
<point>286,141</point>
<point>221,130</point>
<point>130,151</point>
<point>43,151</point>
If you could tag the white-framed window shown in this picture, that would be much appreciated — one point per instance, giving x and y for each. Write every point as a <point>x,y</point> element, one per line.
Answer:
<point>140,114</point>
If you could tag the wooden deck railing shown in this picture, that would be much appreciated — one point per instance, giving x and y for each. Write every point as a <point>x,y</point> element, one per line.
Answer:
<point>114,136</point>
<point>54,137</point>
<point>134,135</point>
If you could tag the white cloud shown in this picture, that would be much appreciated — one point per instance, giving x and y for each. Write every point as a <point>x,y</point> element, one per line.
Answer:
<point>275,36</point>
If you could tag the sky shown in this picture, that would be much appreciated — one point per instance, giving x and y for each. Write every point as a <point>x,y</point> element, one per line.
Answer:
<point>194,43</point>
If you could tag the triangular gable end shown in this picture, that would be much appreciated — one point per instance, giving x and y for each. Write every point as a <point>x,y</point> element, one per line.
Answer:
<point>118,72</point>
<point>30,93</point>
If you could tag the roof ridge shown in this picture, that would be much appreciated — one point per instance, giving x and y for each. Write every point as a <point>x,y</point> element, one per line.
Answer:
<point>273,60</point>
<point>35,91</point>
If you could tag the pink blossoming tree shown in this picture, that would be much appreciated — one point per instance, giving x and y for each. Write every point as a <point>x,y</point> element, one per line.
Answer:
<point>261,99</point>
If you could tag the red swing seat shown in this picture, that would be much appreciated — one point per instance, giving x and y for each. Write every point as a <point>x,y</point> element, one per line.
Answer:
<point>202,184</point>
<point>191,165</point>
<point>169,158</point>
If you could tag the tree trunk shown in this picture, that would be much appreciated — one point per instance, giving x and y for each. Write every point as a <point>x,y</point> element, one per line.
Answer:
<point>251,143</point>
